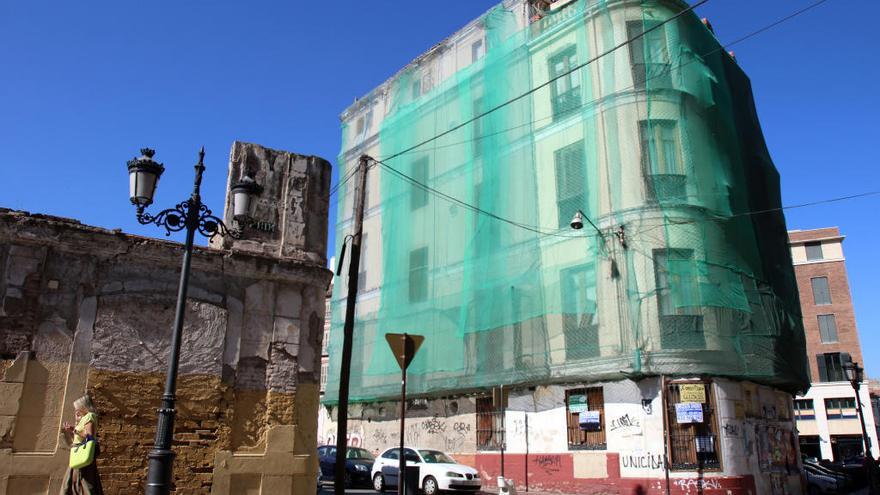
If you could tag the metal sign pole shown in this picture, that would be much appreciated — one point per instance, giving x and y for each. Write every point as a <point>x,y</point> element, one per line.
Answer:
<point>401,475</point>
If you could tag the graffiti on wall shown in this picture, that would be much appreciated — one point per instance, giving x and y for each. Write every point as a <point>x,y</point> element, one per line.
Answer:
<point>731,429</point>
<point>625,422</point>
<point>645,460</point>
<point>549,464</point>
<point>698,484</point>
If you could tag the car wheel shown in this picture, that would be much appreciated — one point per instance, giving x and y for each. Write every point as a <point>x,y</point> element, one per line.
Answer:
<point>429,486</point>
<point>379,483</point>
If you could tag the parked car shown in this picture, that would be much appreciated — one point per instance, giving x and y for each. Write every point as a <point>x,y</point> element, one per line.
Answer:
<point>822,479</point>
<point>437,471</point>
<point>358,464</point>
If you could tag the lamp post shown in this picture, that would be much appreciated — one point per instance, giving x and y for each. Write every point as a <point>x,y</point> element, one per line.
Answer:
<point>856,374</point>
<point>193,216</point>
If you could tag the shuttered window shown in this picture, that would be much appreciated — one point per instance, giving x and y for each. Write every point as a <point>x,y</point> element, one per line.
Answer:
<point>570,181</point>
<point>418,275</point>
<point>565,85</point>
<point>831,366</point>
<point>693,445</point>
<point>489,433</point>
<point>419,196</point>
<point>584,434</point>
<point>827,329</point>
<point>814,250</point>
<point>821,291</point>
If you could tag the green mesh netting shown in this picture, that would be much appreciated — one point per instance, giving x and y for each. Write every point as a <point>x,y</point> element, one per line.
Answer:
<point>657,143</point>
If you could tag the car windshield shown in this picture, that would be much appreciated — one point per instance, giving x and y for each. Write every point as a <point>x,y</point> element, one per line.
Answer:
<point>436,457</point>
<point>356,453</point>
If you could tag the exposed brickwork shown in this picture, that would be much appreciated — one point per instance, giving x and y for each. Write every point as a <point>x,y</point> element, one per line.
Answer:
<point>841,303</point>
<point>88,310</point>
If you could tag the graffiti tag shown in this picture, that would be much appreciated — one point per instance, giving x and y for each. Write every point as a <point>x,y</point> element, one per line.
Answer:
<point>625,421</point>
<point>433,426</point>
<point>643,461</point>
<point>698,484</point>
<point>550,464</point>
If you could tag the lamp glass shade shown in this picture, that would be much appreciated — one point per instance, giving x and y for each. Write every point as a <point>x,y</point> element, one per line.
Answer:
<point>142,186</point>
<point>241,204</point>
<point>849,371</point>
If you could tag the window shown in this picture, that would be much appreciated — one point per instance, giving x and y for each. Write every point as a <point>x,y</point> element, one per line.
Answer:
<point>418,275</point>
<point>579,322</point>
<point>490,436</point>
<point>675,273</point>
<point>391,454</point>
<point>419,196</point>
<point>814,250</point>
<point>585,410</point>
<point>661,162</point>
<point>570,181</point>
<point>565,88</point>
<point>841,408</point>
<point>693,438</point>
<point>416,88</point>
<point>477,125</point>
<point>821,291</point>
<point>827,329</point>
<point>803,409</point>
<point>649,55</point>
<point>359,128</point>
<point>831,366</point>
<point>362,269</point>
<point>476,50</point>
<point>325,369</point>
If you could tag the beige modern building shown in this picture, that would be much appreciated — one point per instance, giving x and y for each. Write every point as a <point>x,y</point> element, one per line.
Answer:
<point>827,421</point>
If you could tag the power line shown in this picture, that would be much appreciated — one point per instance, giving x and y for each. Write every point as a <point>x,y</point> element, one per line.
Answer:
<point>589,103</point>
<point>342,181</point>
<point>550,81</point>
<point>466,205</point>
<point>538,229</point>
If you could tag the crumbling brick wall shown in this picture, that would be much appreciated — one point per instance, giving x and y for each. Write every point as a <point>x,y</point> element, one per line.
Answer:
<point>84,309</point>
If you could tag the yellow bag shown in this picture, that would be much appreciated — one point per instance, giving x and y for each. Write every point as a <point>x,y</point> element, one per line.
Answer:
<point>83,454</point>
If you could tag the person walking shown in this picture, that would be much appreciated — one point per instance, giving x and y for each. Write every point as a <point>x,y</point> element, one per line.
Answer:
<point>84,480</point>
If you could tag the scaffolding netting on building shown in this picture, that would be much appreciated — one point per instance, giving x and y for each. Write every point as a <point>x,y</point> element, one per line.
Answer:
<point>682,267</point>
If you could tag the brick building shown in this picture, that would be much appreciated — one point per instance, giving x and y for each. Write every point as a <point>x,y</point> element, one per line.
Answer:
<point>827,419</point>
<point>86,309</point>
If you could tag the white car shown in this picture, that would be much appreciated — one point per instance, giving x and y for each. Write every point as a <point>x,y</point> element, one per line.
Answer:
<point>437,471</point>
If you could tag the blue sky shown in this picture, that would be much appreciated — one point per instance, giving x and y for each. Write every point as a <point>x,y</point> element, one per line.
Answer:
<point>84,86</point>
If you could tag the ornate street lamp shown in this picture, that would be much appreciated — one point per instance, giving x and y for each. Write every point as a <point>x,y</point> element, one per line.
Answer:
<point>855,374</point>
<point>193,216</point>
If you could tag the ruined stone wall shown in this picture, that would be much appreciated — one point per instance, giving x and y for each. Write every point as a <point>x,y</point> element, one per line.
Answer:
<point>84,309</point>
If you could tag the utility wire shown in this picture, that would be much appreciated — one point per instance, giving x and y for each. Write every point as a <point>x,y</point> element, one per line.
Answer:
<point>597,101</point>
<point>549,81</point>
<point>538,230</point>
<point>343,181</point>
<point>466,205</point>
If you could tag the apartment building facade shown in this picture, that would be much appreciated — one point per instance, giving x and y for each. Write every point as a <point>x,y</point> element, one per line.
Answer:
<point>827,419</point>
<point>650,351</point>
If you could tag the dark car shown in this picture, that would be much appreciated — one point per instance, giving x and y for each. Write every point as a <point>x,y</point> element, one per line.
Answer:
<point>358,463</point>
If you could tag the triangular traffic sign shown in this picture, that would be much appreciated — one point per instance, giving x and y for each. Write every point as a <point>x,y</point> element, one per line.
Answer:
<point>404,347</point>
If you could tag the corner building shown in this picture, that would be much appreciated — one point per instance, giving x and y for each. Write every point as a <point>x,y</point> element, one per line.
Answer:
<point>657,349</point>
